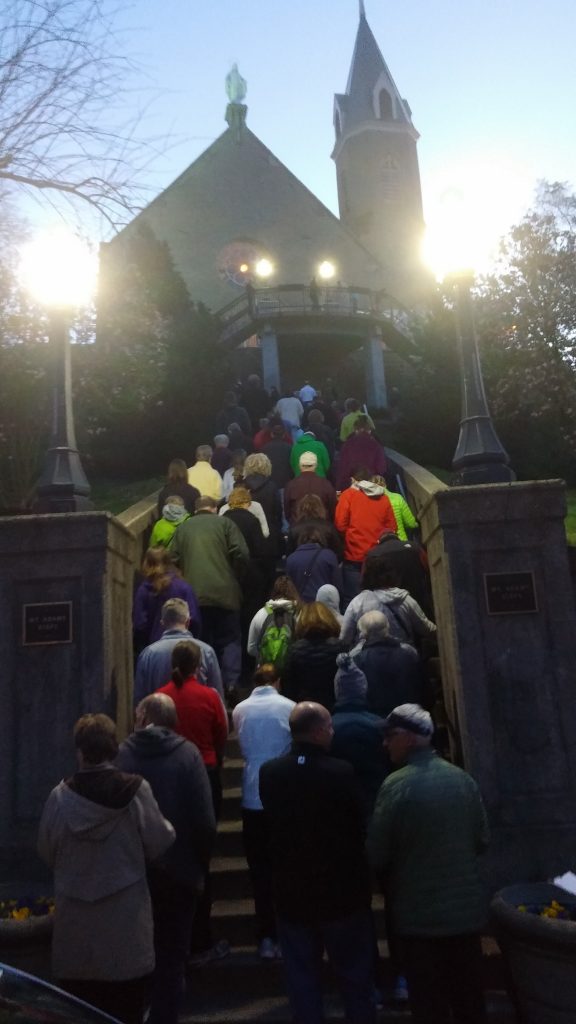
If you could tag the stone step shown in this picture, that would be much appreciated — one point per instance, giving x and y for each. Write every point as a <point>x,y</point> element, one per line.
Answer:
<point>232,771</point>
<point>231,1007</point>
<point>230,878</point>
<point>229,839</point>
<point>231,803</point>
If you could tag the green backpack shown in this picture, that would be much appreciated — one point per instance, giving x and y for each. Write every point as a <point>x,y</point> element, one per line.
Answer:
<point>276,637</point>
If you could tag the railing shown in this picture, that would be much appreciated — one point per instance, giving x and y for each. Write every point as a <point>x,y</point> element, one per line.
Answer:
<point>260,304</point>
<point>139,519</point>
<point>418,484</point>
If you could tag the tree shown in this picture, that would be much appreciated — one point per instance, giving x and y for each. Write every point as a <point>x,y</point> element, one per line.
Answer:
<point>60,79</point>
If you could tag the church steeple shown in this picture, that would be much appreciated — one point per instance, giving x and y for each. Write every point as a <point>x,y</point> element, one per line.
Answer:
<point>375,155</point>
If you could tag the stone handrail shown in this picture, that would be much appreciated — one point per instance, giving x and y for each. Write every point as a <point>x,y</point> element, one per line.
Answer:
<point>419,484</point>
<point>139,519</point>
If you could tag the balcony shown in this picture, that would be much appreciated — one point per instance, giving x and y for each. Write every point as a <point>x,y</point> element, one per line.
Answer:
<point>297,309</point>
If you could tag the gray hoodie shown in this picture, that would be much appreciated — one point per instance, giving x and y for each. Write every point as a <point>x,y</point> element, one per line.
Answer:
<point>406,619</point>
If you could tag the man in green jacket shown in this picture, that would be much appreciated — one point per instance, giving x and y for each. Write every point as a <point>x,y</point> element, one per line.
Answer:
<point>213,557</point>
<point>428,827</point>
<point>308,443</point>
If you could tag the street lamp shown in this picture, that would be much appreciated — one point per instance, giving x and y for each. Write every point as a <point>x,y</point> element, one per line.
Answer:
<point>480,457</point>
<point>60,273</point>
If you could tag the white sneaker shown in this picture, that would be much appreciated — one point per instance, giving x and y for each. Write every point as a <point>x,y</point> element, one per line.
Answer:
<point>267,949</point>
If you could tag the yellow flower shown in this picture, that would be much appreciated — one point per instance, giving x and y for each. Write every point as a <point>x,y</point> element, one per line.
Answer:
<point>21,915</point>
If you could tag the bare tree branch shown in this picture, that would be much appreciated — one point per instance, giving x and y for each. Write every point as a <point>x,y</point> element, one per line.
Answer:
<point>61,132</point>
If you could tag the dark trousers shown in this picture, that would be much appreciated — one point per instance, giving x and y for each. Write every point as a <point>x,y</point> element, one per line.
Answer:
<point>221,629</point>
<point>173,908</point>
<point>202,928</point>
<point>124,1000</point>
<point>444,979</point>
<point>349,945</point>
<point>255,836</point>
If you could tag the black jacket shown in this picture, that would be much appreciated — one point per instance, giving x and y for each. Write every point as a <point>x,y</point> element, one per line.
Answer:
<point>310,669</point>
<point>263,489</point>
<point>405,561</point>
<point>188,494</point>
<point>394,673</point>
<point>315,818</point>
<point>177,776</point>
<point>279,454</point>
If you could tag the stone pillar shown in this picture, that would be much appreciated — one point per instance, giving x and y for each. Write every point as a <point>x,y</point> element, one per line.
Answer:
<point>270,360</point>
<point>66,649</point>
<point>375,378</point>
<point>506,628</point>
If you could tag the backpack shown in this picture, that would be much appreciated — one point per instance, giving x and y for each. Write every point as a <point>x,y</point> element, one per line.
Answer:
<point>400,628</point>
<point>276,637</point>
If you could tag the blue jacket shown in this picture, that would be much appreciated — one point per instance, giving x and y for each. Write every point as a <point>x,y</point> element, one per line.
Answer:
<point>358,739</point>
<point>310,567</point>
<point>178,779</point>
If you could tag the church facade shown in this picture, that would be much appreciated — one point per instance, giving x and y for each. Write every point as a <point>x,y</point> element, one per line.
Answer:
<point>244,232</point>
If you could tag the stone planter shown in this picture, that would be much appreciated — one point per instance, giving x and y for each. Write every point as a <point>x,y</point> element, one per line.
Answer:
<point>26,944</point>
<point>540,953</point>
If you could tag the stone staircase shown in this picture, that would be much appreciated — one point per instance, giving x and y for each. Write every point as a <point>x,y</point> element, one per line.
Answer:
<point>242,988</point>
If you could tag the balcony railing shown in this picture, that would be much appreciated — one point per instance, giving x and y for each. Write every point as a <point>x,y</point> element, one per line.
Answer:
<point>263,304</point>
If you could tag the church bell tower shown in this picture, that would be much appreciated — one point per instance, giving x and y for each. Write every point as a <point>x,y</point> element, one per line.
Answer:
<point>376,161</point>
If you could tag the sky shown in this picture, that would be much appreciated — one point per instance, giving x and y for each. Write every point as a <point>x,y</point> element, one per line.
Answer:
<point>491,84</point>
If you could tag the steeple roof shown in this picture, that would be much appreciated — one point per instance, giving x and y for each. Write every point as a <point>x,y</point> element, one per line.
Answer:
<point>367,71</point>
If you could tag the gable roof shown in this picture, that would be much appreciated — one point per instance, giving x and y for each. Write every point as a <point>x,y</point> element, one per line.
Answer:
<point>238,192</point>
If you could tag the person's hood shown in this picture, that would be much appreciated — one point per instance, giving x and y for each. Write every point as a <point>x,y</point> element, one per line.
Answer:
<point>329,596</point>
<point>93,822</point>
<point>370,489</point>
<point>392,595</point>
<point>255,482</point>
<point>154,741</point>
<point>279,604</point>
<point>174,513</point>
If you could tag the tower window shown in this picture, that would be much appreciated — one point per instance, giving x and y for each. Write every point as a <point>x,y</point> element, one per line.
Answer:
<point>385,109</point>
<point>337,125</point>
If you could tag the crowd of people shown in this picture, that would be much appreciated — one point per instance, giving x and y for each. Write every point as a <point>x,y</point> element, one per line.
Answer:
<point>284,595</point>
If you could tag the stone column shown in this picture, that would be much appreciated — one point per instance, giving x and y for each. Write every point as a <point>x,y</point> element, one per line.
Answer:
<point>375,378</point>
<point>506,628</point>
<point>270,360</point>
<point>66,649</point>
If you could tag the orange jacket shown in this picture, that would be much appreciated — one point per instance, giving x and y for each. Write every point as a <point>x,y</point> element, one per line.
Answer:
<point>362,520</point>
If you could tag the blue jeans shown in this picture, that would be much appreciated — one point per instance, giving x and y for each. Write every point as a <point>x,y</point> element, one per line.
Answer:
<point>349,943</point>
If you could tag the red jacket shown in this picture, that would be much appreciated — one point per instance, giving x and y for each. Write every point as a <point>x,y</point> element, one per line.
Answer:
<point>362,520</point>
<point>201,717</point>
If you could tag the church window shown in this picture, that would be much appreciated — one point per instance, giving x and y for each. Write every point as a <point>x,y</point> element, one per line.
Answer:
<point>385,109</point>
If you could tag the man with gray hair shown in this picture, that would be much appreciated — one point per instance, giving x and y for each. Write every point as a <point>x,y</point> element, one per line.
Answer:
<point>201,475</point>
<point>428,828</point>
<point>222,456</point>
<point>175,771</point>
<point>393,670</point>
<point>154,665</point>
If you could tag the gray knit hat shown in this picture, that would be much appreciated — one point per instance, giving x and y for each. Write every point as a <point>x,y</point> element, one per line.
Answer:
<point>349,682</point>
<point>410,717</point>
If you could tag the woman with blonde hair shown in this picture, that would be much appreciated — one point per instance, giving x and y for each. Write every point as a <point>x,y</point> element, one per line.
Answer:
<point>257,479</point>
<point>311,663</point>
<point>162,580</point>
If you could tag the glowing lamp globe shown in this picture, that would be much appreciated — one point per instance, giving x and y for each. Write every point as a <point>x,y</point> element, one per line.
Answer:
<point>59,270</point>
<point>264,268</point>
<point>326,270</point>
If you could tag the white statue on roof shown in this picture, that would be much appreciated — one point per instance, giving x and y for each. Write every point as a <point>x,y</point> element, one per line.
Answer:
<point>236,86</point>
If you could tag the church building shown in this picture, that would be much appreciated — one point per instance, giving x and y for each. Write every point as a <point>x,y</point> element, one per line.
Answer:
<point>284,273</point>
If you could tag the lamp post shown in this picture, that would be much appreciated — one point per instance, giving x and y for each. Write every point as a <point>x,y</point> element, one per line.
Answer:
<point>60,273</point>
<point>480,457</point>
